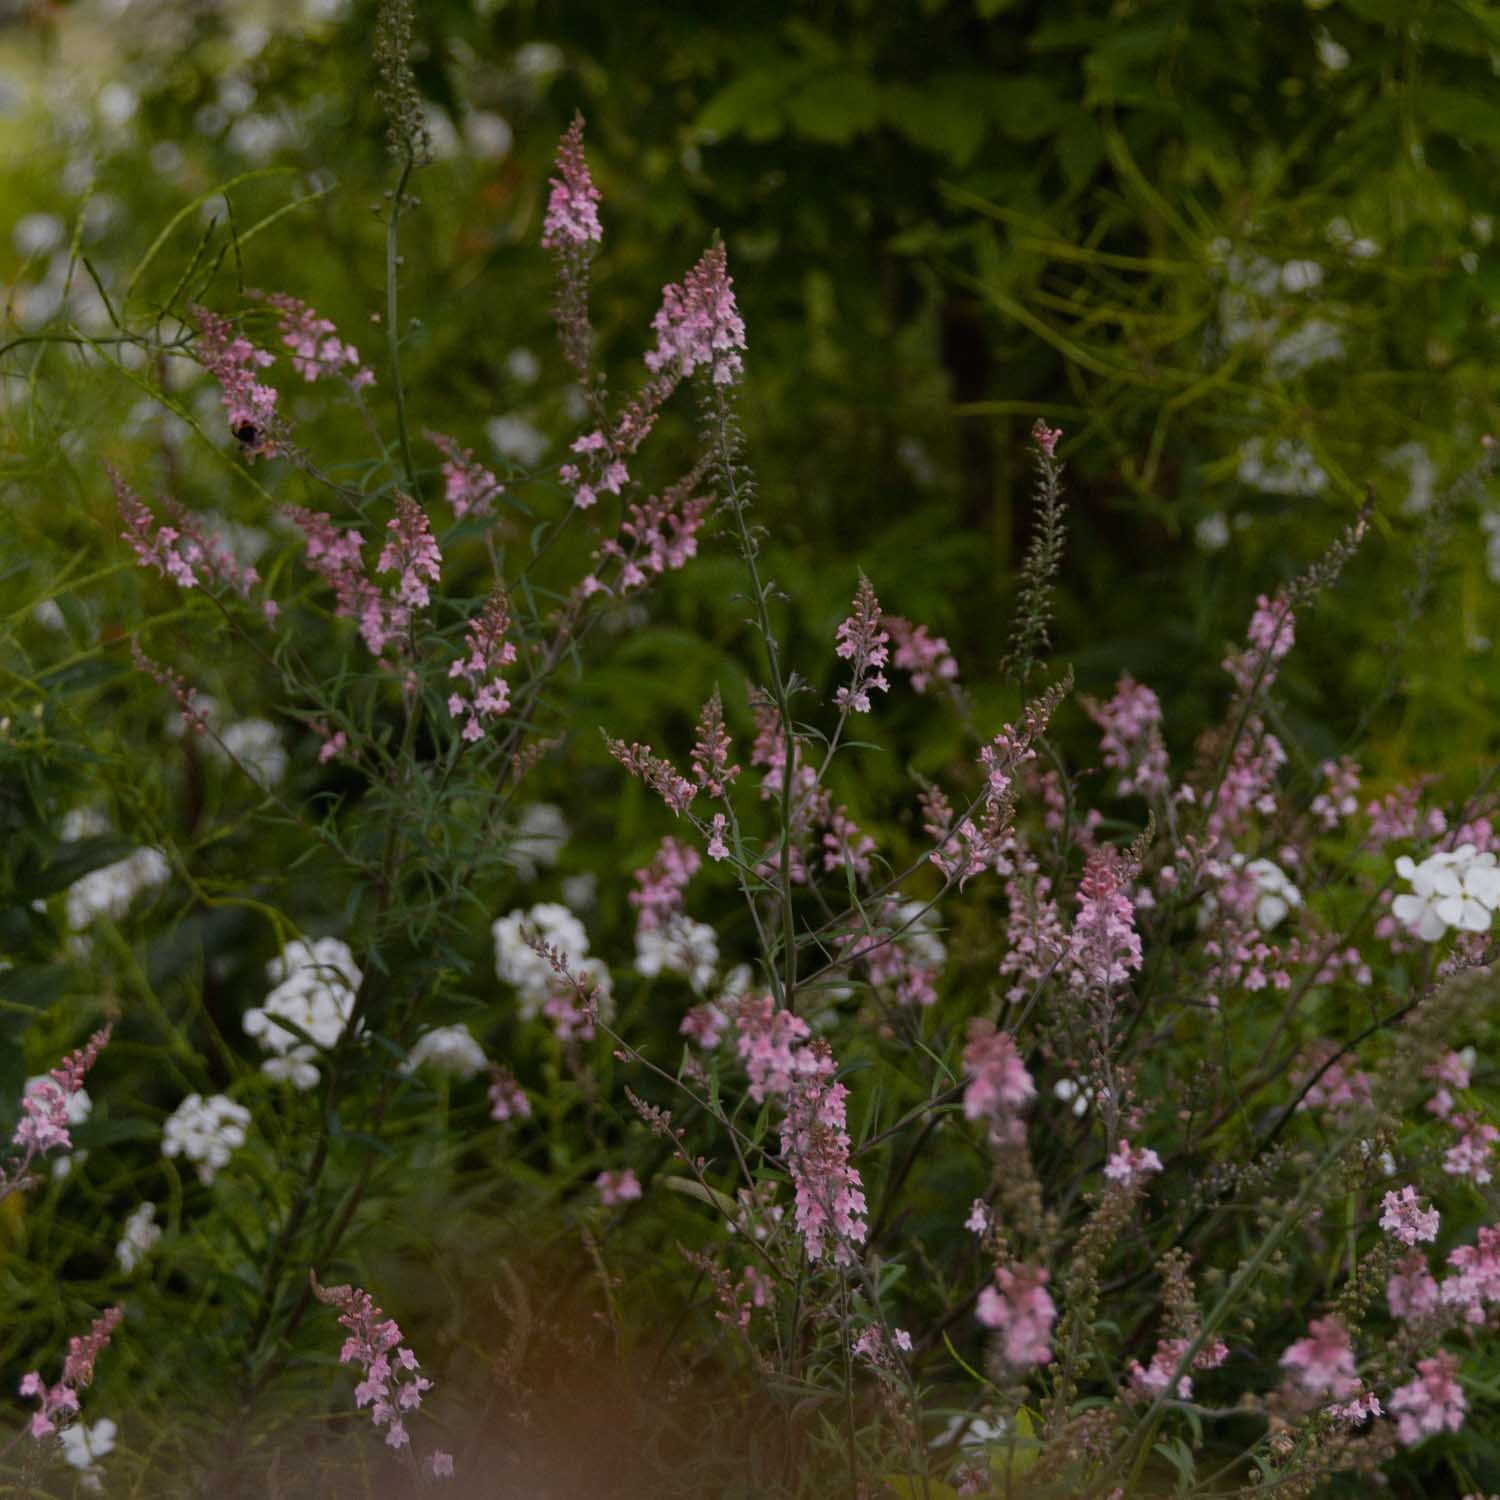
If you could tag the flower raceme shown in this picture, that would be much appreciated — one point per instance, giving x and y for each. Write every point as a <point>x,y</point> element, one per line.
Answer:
<point>393,1385</point>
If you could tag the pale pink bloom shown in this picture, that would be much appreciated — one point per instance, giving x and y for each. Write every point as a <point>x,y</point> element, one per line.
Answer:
<point>572,218</point>
<point>392,1385</point>
<point>978,1221</point>
<point>233,361</point>
<point>440,1464</point>
<point>1475,1283</point>
<point>1045,437</point>
<point>1271,634</point>
<point>1150,1381</point>
<point>1129,1166</point>
<point>487,653</point>
<point>412,552</point>
<point>1132,742</point>
<point>922,656</point>
<point>999,1086</point>
<point>830,1200</point>
<point>699,324</point>
<point>661,886</point>
<point>660,775</point>
<point>467,485</point>
<point>617,1188</point>
<point>44,1121</point>
<point>705,1026</point>
<point>61,1400</point>
<point>711,750</point>
<point>1360,1409</point>
<point>1405,1220</point>
<point>337,557</point>
<point>1020,1307</point>
<point>1470,1157</point>
<point>508,1100</point>
<point>1339,800</point>
<point>1104,948</point>
<point>773,1045</point>
<point>863,643</point>
<point>1323,1363</point>
<point>717,848</point>
<point>1411,1292</point>
<point>335,743</point>
<point>313,340</point>
<point>1434,1400</point>
<point>1451,1071</point>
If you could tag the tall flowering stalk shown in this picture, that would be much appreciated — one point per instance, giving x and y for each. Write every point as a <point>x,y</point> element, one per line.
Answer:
<point>44,1123</point>
<point>59,1402</point>
<point>570,230</point>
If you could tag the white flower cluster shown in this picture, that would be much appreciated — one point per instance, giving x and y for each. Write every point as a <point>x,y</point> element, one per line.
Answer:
<point>538,841</point>
<point>1277,895</point>
<point>139,1238</point>
<point>449,1049</point>
<point>679,946</point>
<point>518,964</point>
<point>315,988</point>
<point>84,1443</point>
<point>256,744</point>
<point>110,891</point>
<point>205,1131</point>
<point>1453,888</point>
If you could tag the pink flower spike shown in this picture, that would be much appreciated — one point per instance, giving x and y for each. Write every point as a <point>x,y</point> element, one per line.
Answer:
<point>1322,1364</point>
<point>617,1188</point>
<point>1046,437</point>
<point>440,1464</point>
<point>862,643</point>
<point>1405,1221</point>
<point>1019,1306</point>
<point>699,324</point>
<point>1431,1402</point>
<point>1128,1167</point>
<point>313,340</point>
<point>232,361</point>
<point>468,486</point>
<point>572,220</point>
<point>412,552</point>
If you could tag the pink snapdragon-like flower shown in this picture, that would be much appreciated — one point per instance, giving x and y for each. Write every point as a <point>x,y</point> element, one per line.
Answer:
<point>830,1200</point>
<point>699,324</point>
<point>317,350</point>
<point>1405,1220</point>
<point>773,1046</point>
<point>999,1086</point>
<point>487,653</point>
<point>1045,437</point>
<point>1150,1381</point>
<point>1132,743</point>
<point>704,1025</point>
<point>61,1400</point>
<point>657,535</point>
<point>1411,1292</point>
<point>412,552</point>
<point>1470,1157</point>
<point>711,750</point>
<point>1474,1285</point>
<point>1131,1165</point>
<point>925,658</point>
<point>1339,799</point>
<point>508,1099</point>
<point>392,1387</point>
<point>43,1125</point>
<point>863,644</point>
<point>661,886</point>
<point>572,218</point>
<point>233,360</point>
<point>617,1188</point>
<point>1272,633</point>
<point>1450,1072</point>
<point>660,775</point>
<point>468,486</point>
<point>1020,1306</point>
<point>337,557</point>
<point>1431,1402</point>
<point>1322,1364</point>
<point>1340,1090</point>
<point>1104,948</point>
